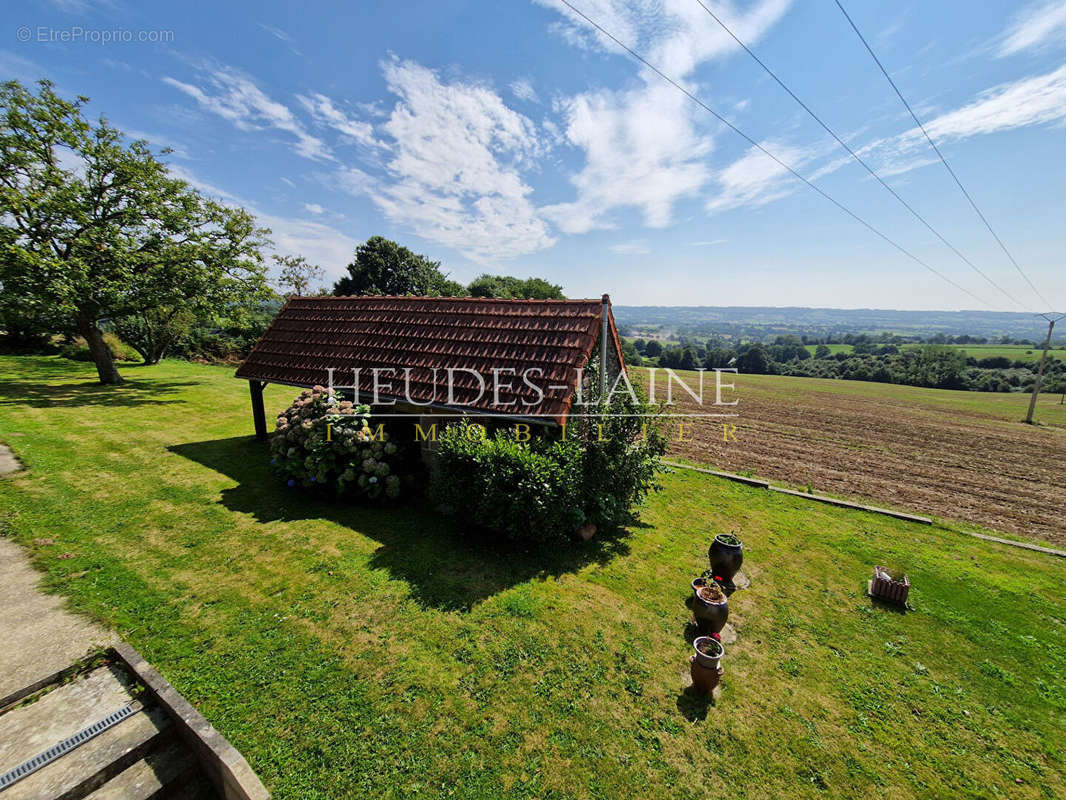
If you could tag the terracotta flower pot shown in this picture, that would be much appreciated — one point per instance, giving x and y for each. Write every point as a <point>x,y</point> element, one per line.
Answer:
<point>710,608</point>
<point>708,651</point>
<point>726,554</point>
<point>704,679</point>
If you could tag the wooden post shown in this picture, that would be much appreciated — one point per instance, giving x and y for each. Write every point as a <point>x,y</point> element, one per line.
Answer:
<point>258,412</point>
<point>1040,372</point>
<point>605,329</point>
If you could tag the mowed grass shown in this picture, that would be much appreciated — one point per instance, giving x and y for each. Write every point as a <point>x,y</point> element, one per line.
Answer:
<point>353,652</point>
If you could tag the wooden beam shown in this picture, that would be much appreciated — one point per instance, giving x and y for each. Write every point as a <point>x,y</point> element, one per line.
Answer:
<point>258,411</point>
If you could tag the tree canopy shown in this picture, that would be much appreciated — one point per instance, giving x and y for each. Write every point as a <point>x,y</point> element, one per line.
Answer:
<point>383,267</point>
<point>95,228</point>
<point>297,273</point>
<point>512,288</point>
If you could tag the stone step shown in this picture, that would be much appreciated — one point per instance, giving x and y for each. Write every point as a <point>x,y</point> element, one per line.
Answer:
<point>30,729</point>
<point>81,771</point>
<point>170,772</point>
<point>40,637</point>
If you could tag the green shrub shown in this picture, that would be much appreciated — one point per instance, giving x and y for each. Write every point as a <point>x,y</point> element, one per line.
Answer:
<point>621,452</point>
<point>78,350</point>
<point>329,445</point>
<point>597,471</point>
<point>523,490</point>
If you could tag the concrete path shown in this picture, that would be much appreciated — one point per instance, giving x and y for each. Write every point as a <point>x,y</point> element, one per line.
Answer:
<point>8,462</point>
<point>40,637</point>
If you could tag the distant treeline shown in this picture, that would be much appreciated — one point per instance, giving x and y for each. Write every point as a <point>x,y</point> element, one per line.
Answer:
<point>764,324</point>
<point>934,365</point>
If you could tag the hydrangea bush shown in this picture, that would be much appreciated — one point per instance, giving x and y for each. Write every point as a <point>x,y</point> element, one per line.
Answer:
<point>324,443</point>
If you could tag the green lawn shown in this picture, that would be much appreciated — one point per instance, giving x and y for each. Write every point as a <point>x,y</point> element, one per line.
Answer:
<point>1015,352</point>
<point>355,652</point>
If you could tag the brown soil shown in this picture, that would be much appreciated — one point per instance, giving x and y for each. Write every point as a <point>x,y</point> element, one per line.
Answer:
<point>910,455</point>
<point>711,593</point>
<point>709,648</point>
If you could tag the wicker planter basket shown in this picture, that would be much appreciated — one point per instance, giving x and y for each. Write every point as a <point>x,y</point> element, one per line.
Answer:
<point>885,587</point>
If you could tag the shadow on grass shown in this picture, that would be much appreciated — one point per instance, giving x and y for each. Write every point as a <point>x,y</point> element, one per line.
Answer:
<point>882,604</point>
<point>692,632</point>
<point>693,705</point>
<point>447,566</point>
<point>29,392</point>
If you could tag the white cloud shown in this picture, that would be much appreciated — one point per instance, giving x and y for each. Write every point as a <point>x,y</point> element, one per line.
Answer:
<point>635,248</point>
<point>318,243</point>
<point>1035,100</point>
<point>523,90</point>
<point>235,97</point>
<point>755,179</point>
<point>709,243</point>
<point>1033,26</point>
<point>454,169</point>
<point>288,182</point>
<point>324,112</point>
<point>646,147</point>
<point>281,36</point>
<point>177,150</point>
<point>1029,101</point>
<point>18,68</point>
<point>81,6</point>
<point>674,35</point>
<point>314,208</point>
<point>277,33</point>
<point>204,187</point>
<point>641,149</point>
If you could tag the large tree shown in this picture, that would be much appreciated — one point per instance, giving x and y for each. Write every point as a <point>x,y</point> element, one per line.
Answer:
<point>383,267</point>
<point>95,228</point>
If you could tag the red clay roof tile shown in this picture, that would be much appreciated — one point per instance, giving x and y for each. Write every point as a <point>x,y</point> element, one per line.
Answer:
<point>312,334</point>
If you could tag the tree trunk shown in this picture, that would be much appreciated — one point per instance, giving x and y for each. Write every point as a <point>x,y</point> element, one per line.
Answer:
<point>101,353</point>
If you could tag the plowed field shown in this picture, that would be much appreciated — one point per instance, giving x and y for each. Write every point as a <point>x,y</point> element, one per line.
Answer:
<point>958,455</point>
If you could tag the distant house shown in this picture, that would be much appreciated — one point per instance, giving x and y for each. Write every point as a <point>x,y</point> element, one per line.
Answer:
<point>499,359</point>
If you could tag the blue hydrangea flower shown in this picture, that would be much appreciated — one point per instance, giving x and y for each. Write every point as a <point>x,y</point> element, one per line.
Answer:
<point>292,482</point>
<point>373,478</point>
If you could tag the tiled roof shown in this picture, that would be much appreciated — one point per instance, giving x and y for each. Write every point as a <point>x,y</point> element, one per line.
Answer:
<point>311,334</point>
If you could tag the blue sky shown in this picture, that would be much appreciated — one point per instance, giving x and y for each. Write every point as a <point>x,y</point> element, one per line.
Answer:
<point>508,137</point>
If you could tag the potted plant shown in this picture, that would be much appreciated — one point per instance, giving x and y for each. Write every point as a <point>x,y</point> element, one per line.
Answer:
<point>698,583</point>
<point>710,607</point>
<point>726,554</point>
<point>709,652</point>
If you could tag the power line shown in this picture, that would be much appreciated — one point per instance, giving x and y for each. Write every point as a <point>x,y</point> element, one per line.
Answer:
<point>766,152</point>
<point>857,157</point>
<point>940,155</point>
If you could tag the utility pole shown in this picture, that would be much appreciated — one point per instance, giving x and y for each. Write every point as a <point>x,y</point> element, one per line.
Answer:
<point>1051,320</point>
